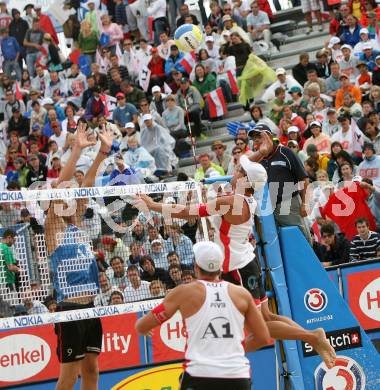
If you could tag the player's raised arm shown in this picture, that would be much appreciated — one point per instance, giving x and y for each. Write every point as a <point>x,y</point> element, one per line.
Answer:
<point>106,137</point>
<point>81,142</point>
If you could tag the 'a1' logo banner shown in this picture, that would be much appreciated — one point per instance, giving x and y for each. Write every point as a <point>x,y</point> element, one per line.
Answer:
<point>361,286</point>
<point>316,303</point>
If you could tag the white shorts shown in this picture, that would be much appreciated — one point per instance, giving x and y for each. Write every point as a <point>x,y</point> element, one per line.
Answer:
<point>310,5</point>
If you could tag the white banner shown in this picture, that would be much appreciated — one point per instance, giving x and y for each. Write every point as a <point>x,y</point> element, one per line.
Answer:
<point>144,78</point>
<point>76,315</point>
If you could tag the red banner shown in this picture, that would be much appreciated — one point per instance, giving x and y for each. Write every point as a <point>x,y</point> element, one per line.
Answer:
<point>364,297</point>
<point>29,355</point>
<point>169,342</point>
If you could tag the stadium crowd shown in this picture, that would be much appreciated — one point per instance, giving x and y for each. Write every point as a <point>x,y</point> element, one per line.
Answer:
<point>323,116</point>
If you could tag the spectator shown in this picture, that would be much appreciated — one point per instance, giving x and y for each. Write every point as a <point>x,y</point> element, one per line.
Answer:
<point>175,274</point>
<point>138,289</point>
<point>113,247</point>
<point>369,168</point>
<point>33,43</point>
<point>135,256</point>
<point>240,50</point>
<point>55,170</point>
<point>300,70</point>
<point>165,44</point>
<point>157,289</point>
<point>190,100</point>
<point>116,298</point>
<point>332,165</point>
<point>158,103</point>
<point>221,157</point>
<point>95,105</point>
<point>336,247</point>
<point>373,200</point>
<point>181,244</point>
<point>58,136</point>
<point>346,87</point>
<point>124,112</point>
<point>151,272</point>
<point>159,253</point>
<point>10,268</point>
<point>19,124</point>
<point>348,63</point>
<point>113,30</point>
<point>16,144</point>
<point>312,77</point>
<point>133,95</point>
<point>351,31</point>
<point>88,40</point>
<point>277,105</point>
<point>364,245</point>
<point>116,273</point>
<point>173,62</point>
<point>11,103</point>
<point>373,134</point>
<point>321,159</point>
<point>37,172</point>
<point>319,139</point>
<point>11,52</point>
<point>103,298</point>
<point>207,168</point>
<point>258,24</point>
<point>332,82</point>
<point>185,12</point>
<point>18,173</point>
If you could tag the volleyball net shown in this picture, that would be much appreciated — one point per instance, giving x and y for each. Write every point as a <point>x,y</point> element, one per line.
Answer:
<point>53,242</point>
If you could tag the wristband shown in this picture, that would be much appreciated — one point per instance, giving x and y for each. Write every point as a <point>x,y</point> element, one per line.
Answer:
<point>159,314</point>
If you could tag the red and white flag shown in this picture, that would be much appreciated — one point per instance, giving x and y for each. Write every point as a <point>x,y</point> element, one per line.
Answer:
<point>188,62</point>
<point>167,89</point>
<point>216,103</point>
<point>18,94</point>
<point>233,83</point>
<point>357,138</point>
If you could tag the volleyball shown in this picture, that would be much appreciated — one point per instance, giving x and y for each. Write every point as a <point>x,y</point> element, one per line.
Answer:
<point>188,37</point>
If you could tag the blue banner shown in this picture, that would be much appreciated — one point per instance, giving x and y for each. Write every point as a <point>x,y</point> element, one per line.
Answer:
<point>315,302</point>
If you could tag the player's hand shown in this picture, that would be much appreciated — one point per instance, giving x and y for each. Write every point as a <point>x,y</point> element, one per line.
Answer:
<point>106,137</point>
<point>142,201</point>
<point>303,211</point>
<point>266,144</point>
<point>82,136</point>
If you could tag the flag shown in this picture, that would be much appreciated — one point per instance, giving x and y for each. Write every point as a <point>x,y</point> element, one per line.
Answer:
<point>216,103</point>
<point>167,89</point>
<point>110,103</point>
<point>357,138</point>
<point>74,56</point>
<point>18,94</point>
<point>144,78</point>
<point>255,77</point>
<point>317,233</point>
<point>345,206</point>
<point>150,27</point>
<point>188,62</point>
<point>233,83</point>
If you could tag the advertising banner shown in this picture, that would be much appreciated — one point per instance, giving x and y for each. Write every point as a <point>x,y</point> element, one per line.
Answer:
<point>316,303</point>
<point>361,286</point>
<point>29,354</point>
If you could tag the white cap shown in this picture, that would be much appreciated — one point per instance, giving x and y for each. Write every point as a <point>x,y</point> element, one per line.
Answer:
<point>256,173</point>
<point>367,46</point>
<point>226,32</point>
<point>47,101</point>
<point>333,41</point>
<point>280,71</point>
<point>345,46</point>
<point>208,256</point>
<point>156,242</point>
<point>315,123</point>
<point>209,38</point>
<point>129,125</point>
<point>147,117</point>
<point>293,129</point>
<point>363,31</point>
<point>156,88</point>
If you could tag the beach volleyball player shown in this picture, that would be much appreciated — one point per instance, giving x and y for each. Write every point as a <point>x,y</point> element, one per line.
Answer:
<point>232,217</point>
<point>75,273</point>
<point>215,315</point>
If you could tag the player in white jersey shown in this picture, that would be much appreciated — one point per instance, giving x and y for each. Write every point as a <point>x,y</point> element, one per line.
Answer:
<point>215,314</point>
<point>78,342</point>
<point>232,216</point>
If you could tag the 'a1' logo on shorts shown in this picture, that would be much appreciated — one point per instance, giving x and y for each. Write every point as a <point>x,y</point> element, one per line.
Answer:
<point>315,300</point>
<point>346,374</point>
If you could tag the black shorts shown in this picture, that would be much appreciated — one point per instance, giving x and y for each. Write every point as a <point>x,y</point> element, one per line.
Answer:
<point>249,277</point>
<point>196,383</point>
<point>76,338</point>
